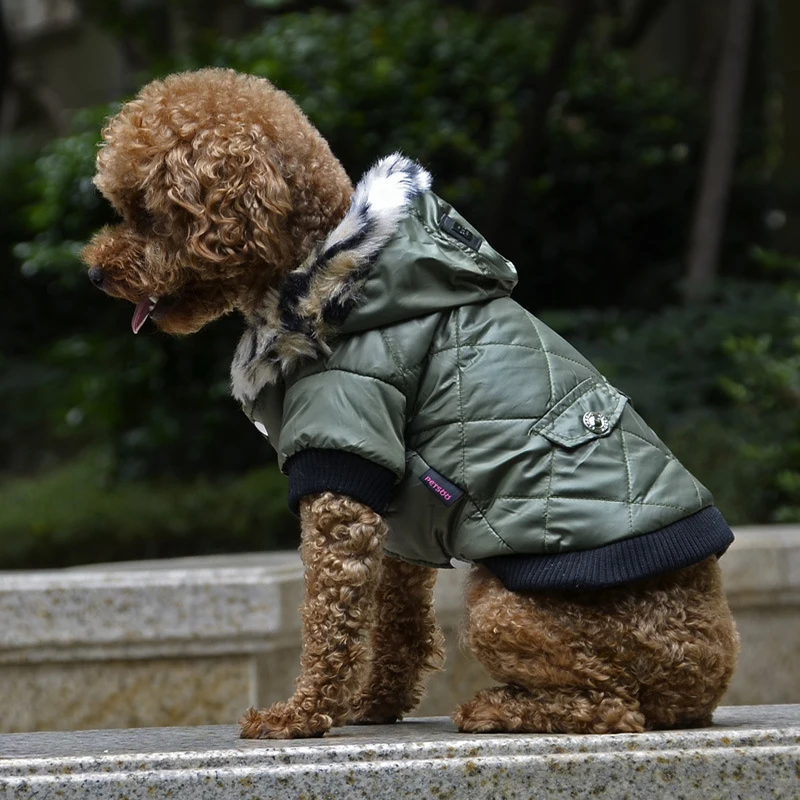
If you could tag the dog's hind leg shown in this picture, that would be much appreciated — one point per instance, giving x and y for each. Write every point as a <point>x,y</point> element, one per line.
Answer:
<point>687,666</point>
<point>406,643</point>
<point>658,653</point>
<point>556,678</point>
<point>342,546</point>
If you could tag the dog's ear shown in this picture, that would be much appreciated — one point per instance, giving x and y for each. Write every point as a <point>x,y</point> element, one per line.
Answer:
<point>232,197</point>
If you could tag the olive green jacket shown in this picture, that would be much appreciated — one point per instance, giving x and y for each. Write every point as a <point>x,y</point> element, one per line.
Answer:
<point>397,343</point>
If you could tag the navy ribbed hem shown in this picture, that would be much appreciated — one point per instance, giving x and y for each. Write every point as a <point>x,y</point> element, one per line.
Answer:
<point>673,547</point>
<point>315,471</point>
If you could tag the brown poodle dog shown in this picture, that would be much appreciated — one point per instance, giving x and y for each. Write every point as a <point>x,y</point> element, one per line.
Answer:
<point>227,194</point>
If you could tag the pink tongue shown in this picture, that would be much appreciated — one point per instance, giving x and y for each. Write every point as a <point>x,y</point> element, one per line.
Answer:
<point>141,313</point>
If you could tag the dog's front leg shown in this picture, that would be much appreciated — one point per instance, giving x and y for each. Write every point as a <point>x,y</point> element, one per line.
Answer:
<point>406,644</point>
<point>342,544</point>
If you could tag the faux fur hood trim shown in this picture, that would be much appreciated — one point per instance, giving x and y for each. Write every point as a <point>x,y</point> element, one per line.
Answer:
<point>299,317</point>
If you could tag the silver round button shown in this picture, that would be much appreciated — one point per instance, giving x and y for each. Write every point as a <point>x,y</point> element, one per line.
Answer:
<point>595,422</point>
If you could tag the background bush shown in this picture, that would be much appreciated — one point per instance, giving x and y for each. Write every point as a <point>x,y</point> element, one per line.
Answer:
<point>603,217</point>
<point>719,382</point>
<point>71,515</point>
<point>601,221</point>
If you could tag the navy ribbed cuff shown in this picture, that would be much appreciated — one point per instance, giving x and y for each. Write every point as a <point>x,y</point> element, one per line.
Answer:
<point>315,471</point>
<point>681,544</point>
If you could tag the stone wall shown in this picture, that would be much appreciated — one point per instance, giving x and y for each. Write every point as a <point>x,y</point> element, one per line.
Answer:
<point>196,641</point>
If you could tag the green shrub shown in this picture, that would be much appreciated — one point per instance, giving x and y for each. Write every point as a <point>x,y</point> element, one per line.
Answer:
<point>160,404</point>
<point>719,382</point>
<point>603,217</point>
<point>764,388</point>
<point>20,304</point>
<point>600,221</point>
<point>71,515</point>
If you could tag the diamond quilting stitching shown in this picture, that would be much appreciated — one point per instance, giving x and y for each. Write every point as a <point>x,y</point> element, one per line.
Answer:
<point>546,353</point>
<point>626,462</point>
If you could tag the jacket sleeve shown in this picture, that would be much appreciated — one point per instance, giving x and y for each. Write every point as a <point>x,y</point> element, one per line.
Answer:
<point>342,431</point>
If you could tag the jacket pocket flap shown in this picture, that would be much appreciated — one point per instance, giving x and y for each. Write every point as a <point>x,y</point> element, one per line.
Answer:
<point>589,411</point>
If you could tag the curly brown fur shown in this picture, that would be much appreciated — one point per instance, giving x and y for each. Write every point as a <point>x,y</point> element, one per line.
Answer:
<point>406,644</point>
<point>222,185</point>
<point>656,654</point>
<point>342,542</point>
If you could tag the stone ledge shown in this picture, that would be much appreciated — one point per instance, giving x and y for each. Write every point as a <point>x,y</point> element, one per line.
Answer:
<point>751,751</point>
<point>195,641</point>
<point>210,606</point>
<point>245,603</point>
<point>763,565</point>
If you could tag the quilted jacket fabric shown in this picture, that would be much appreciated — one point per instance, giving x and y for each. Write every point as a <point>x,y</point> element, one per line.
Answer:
<point>496,436</point>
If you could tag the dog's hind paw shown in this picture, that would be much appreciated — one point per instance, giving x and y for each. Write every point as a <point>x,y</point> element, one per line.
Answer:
<point>513,709</point>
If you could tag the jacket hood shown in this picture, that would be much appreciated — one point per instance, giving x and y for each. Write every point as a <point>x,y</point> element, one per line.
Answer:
<point>399,252</point>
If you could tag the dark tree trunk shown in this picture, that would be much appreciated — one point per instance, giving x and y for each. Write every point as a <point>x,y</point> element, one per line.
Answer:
<point>639,23</point>
<point>723,137</point>
<point>533,128</point>
<point>6,60</point>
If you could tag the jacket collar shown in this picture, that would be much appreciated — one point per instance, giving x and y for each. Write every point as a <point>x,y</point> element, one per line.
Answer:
<point>300,316</point>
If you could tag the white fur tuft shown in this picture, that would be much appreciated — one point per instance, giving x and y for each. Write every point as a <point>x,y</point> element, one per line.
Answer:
<point>267,350</point>
<point>391,183</point>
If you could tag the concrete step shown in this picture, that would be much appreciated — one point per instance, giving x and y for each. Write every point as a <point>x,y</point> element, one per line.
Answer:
<point>751,752</point>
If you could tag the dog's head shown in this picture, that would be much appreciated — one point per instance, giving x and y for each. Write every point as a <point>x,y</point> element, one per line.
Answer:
<point>222,186</point>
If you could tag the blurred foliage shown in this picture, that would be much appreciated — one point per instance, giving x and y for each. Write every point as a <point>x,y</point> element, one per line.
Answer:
<point>764,387</point>
<point>22,302</point>
<point>601,222</point>
<point>70,515</point>
<point>719,382</point>
<point>603,218</point>
<point>153,33</point>
<point>161,404</point>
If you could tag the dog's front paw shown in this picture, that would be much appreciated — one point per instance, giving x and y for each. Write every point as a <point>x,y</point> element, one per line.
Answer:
<point>283,721</point>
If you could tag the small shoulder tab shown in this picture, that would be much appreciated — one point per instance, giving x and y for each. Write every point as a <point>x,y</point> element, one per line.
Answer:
<point>460,232</point>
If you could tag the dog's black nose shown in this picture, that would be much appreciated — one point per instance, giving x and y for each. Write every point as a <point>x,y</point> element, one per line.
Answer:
<point>97,277</point>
